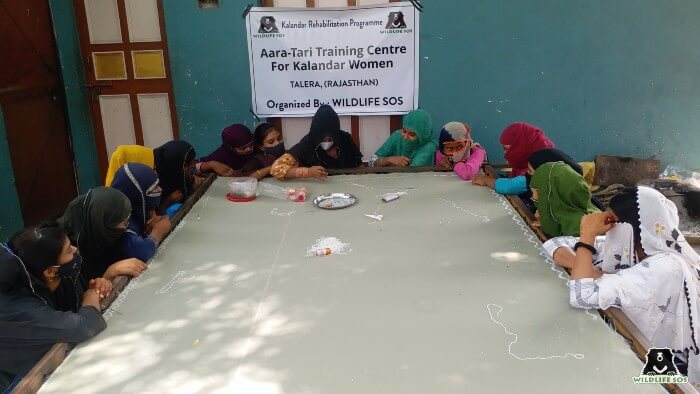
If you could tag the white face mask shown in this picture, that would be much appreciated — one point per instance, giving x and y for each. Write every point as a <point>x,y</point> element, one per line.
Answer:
<point>326,145</point>
<point>459,156</point>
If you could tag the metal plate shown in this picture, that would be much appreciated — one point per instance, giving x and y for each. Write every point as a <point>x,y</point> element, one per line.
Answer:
<point>335,200</point>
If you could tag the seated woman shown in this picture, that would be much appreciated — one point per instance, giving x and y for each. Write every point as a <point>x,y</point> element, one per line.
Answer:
<point>269,145</point>
<point>519,140</point>
<point>94,222</point>
<point>41,302</point>
<point>326,146</point>
<point>561,197</point>
<point>146,229</point>
<point>413,145</point>
<point>174,162</point>
<point>648,271</point>
<point>458,151</point>
<point>235,150</point>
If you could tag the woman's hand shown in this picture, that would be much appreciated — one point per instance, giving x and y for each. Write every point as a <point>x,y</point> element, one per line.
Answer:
<point>536,222</point>
<point>101,286</point>
<point>318,172</point>
<point>218,167</point>
<point>132,266</point>
<point>174,197</point>
<point>484,180</point>
<point>595,224</point>
<point>91,298</point>
<point>398,161</point>
<point>447,162</point>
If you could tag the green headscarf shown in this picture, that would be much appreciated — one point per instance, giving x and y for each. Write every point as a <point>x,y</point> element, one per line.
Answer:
<point>422,150</point>
<point>563,199</point>
<point>90,221</point>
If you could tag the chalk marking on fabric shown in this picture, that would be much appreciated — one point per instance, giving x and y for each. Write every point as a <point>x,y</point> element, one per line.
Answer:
<point>485,219</point>
<point>253,326</point>
<point>134,281</point>
<point>334,244</point>
<point>493,314</point>
<point>173,281</point>
<point>530,236</point>
<point>276,212</point>
<point>199,214</point>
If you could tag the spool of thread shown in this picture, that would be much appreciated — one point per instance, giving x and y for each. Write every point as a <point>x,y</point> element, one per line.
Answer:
<point>323,252</point>
<point>390,197</point>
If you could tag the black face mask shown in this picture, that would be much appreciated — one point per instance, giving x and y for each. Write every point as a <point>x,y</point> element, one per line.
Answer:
<point>276,151</point>
<point>70,269</point>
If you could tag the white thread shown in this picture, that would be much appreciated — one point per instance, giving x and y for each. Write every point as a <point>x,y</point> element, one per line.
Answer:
<point>199,214</point>
<point>334,244</point>
<point>172,282</point>
<point>538,245</point>
<point>277,213</point>
<point>577,356</point>
<point>482,217</point>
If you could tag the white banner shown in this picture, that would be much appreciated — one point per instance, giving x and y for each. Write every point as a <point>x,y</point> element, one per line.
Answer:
<point>359,60</point>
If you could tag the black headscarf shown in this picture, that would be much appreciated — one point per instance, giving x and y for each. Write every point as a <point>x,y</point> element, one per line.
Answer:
<point>90,222</point>
<point>326,124</point>
<point>550,155</point>
<point>170,160</point>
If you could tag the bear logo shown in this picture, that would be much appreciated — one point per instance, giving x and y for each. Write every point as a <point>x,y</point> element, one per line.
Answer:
<point>267,25</point>
<point>660,362</point>
<point>396,21</point>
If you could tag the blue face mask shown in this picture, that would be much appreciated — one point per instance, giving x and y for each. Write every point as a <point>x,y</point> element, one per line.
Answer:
<point>70,269</point>
<point>191,172</point>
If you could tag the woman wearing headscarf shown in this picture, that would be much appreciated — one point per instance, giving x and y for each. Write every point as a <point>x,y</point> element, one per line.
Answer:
<point>325,146</point>
<point>561,197</point>
<point>519,140</point>
<point>41,302</point>
<point>174,162</point>
<point>648,270</point>
<point>458,151</point>
<point>94,222</point>
<point>269,145</point>
<point>146,229</point>
<point>413,145</point>
<point>235,150</point>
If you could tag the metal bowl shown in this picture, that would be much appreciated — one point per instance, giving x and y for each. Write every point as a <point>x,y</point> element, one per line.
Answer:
<point>335,200</point>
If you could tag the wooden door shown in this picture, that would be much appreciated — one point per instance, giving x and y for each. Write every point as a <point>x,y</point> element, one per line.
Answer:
<point>33,102</point>
<point>127,72</point>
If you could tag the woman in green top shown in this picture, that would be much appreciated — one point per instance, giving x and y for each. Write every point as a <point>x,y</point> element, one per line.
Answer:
<point>562,198</point>
<point>413,145</point>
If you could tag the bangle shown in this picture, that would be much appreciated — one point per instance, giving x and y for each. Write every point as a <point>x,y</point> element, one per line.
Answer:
<point>585,246</point>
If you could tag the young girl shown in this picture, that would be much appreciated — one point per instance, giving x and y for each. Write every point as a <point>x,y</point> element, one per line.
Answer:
<point>519,141</point>
<point>269,144</point>
<point>326,146</point>
<point>42,301</point>
<point>562,198</point>
<point>648,271</point>
<point>236,149</point>
<point>146,229</point>
<point>413,145</point>
<point>458,151</point>
<point>94,222</point>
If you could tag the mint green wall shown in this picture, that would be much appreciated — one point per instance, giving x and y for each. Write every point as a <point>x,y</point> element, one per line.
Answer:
<point>617,77</point>
<point>79,119</point>
<point>10,213</point>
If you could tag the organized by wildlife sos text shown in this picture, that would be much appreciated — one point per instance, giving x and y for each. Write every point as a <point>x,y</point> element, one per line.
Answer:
<point>360,60</point>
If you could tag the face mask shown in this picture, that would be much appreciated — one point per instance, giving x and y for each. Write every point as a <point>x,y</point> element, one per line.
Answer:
<point>191,172</point>
<point>275,151</point>
<point>326,145</point>
<point>459,156</point>
<point>70,269</point>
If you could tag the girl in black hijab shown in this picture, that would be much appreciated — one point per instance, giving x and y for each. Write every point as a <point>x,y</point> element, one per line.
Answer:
<point>175,164</point>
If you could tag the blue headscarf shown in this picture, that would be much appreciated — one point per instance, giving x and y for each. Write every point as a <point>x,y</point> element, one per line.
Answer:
<point>137,182</point>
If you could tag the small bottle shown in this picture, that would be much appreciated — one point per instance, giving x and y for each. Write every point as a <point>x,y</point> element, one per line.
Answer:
<point>323,252</point>
<point>390,197</point>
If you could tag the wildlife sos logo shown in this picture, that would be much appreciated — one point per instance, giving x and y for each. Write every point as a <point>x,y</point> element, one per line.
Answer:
<point>660,367</point>
<point>267,25</point>
<point>395,21</point>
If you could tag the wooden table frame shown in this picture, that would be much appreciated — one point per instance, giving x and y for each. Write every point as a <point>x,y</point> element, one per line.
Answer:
<point>614,317</point>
